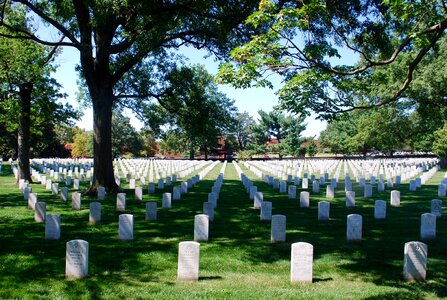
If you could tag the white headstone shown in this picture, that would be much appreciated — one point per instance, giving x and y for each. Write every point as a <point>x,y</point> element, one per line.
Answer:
<point>53,227</point>
<point>32,200</point>
<point>151,211</point>
<point>125,231</point>
<point>442,190</point>
<point>161,184</point>
<point>266,211</point>
<point>415,261</point>
<point>330,193</point>
<point>201,228</point>
<point>367,193</point>
<point>301,265</point>
<point>304,199</point>
<point>64,194</point>
<point>188,261</point>
<point>323,211</point>
<point>292,192</point>
<point>395,198</point>
<point>428,226</point>
<point>350,199</point>
<point>26,192</point>
<point>132,183</point>
<point>305,183</point>
<point>258,199</point>
<point>121,201</point>
<point>212,198</point>
<point>283,187</point>
<point>55,188</point>
<point>253,190</point>
<point>379,209</point>
<point>76,184</point>
<point>315,186</point>
<point>76,259</point>
<point>40,212</point>
<point>208,209</point>
<point>76,201</point>
<point>176,193</point>
<point>101,192</point>
<point>278,233</point>
<point>184,187</point>
<point>166,200</point>
<point>354,227</point>
<point>95,213</point>
<point>139,193</point>
<point>151,188</point>
<point>436,207</point>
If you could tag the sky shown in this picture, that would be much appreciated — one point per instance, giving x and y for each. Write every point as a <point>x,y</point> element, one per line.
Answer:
<point>250,100</point>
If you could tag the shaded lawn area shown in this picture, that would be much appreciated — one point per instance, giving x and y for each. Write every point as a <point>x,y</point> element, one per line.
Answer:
<point>238,261</point>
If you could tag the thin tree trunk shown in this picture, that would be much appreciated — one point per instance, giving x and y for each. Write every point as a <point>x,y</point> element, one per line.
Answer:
<point>191,151</point>
<point>24,132</point>
<point>102,142</point>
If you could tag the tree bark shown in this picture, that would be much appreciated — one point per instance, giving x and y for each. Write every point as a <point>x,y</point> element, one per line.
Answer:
<point>102,141</point>
<point>23,136</point>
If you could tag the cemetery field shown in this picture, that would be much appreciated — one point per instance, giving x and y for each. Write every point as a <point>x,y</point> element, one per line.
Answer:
<point>238,262</point>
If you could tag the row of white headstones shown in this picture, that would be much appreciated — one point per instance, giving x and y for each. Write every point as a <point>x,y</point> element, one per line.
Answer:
<point>415,253</point>
<point>299,250</point>
<point>77,250</point>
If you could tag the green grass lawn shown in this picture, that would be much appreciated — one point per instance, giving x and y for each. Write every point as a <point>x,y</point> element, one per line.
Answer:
<point>238,262</point>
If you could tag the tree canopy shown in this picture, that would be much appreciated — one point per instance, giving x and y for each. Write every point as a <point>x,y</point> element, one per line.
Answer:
<point>304,42</point>
<point>116,39</point>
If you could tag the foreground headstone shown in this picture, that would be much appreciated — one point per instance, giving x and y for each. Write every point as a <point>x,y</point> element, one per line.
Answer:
<point>323,211</point>
<point>54,188</point>
<point>395,198</point>
<point>53,227</point>
<point>415,261</point>
<point>40,212</point>
<point>95,213</point>
<point>354,228</point>
<point>125,231</point>
<point>380,209</point>
<point>188,261</point>
<point>76,259</point>
<point>301,266</point>
<point>428,226</point>
<point>266,211</point>
<point>151,211</point>
<point>201,228</point>
<point>278,233</point>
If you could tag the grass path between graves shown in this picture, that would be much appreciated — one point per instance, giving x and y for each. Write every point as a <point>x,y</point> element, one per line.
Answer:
<point>238,262</point>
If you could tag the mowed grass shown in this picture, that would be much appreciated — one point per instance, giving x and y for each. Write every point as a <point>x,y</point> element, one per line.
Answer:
<point>238,262</point>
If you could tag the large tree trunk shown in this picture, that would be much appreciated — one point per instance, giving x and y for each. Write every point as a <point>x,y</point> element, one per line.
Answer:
<point>24,132</point>
<point>102,141</point>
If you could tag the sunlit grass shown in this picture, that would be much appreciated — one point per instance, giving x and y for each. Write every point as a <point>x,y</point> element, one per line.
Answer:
<point>238,262</point>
